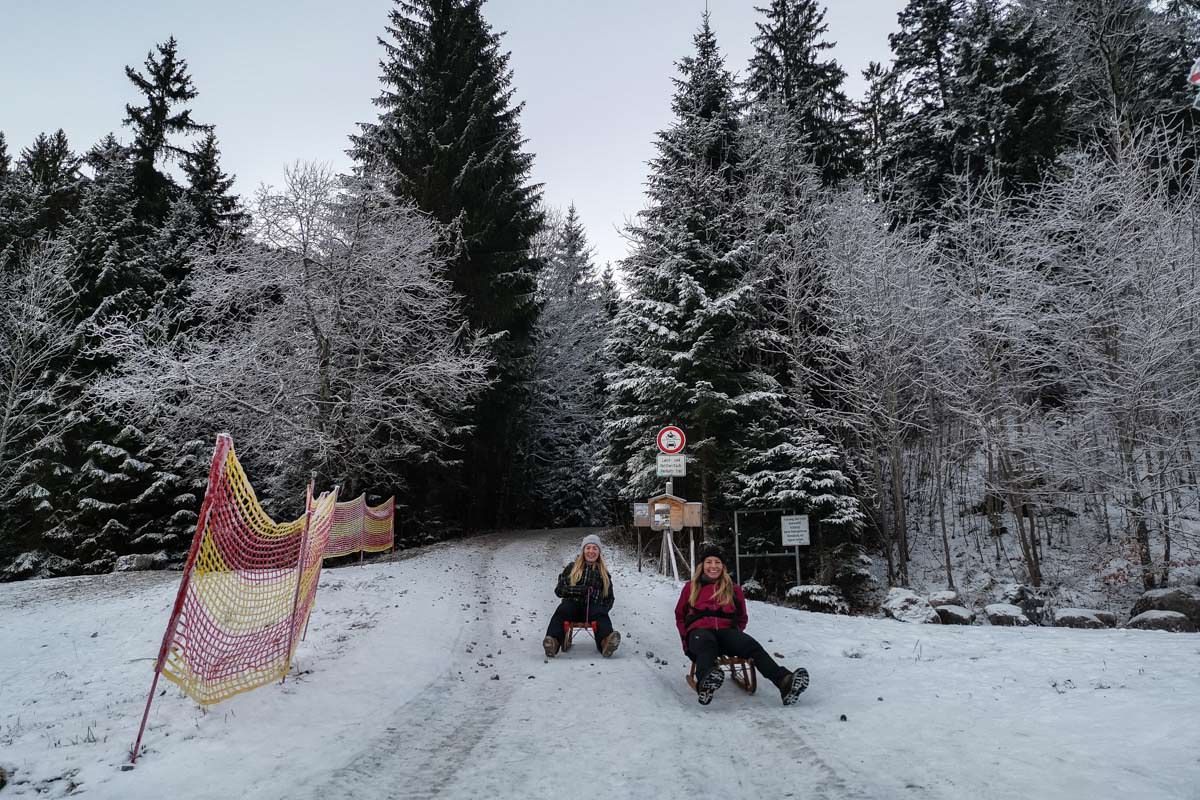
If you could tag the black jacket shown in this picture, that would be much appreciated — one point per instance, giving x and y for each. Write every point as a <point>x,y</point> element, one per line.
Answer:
<point>589,590</point>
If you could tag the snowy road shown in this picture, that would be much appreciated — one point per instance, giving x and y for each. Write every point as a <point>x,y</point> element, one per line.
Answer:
<point>615,725</point>
<point>424,677</point>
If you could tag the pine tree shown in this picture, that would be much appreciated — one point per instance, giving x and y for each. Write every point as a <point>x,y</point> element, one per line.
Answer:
<point>566,434</point>
<point>5,161</point>
<point>982,93</point>
<point>78,482</point>
<point>41,190</point>
<point>209,190</point>
<point>448,131</point>
<point>166,88</point>
<point>877,117</point>
<point>1008,108</point>
<point>787,65</point>
<point>922,144</point>
<point>680,340</point>
<point>790,452</point>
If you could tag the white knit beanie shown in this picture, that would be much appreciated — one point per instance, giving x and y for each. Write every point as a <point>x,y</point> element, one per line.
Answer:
<point>591,538</point>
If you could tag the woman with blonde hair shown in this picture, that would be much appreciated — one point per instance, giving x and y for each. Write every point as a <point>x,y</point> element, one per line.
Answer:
<point>585,587</point>
<point>711,617</point>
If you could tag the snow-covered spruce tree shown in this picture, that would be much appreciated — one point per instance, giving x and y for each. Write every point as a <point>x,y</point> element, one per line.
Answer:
<point>1008,105</point>
<point>681,337</point>
<point>42,187</point>
<point>115,279</point>
<point>448,130</point>
<point>787,66</point>
<point>326,340</point>
<point>567,394</point>
<point>791,452</point>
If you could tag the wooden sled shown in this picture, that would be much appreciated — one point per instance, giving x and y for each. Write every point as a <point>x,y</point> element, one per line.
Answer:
<point>740,669</point>
<point>569,629</point>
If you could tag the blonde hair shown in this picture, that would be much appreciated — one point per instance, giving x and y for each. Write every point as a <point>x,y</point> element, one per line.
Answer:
<point>577,570</point>
<point>723,587</point>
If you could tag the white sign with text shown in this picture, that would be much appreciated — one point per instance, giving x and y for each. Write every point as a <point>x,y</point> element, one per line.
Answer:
<point>795,530</point>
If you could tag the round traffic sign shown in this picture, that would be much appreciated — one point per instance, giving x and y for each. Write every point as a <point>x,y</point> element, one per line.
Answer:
<point>671,440</point>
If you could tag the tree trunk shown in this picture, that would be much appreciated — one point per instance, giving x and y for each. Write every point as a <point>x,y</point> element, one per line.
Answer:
<point>1137,506</point>
<point>900,511</point>
<point>941,504</point>
<point>885,538</point>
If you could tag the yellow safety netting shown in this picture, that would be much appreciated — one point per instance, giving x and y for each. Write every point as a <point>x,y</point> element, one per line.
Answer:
<point>248,588</point>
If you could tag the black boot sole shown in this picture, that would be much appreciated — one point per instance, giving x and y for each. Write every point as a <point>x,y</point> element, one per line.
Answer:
<point>708,687</point>
<point>799,684</point>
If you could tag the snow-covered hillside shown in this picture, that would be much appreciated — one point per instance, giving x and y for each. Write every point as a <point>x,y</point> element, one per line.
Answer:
<point>424,677</point>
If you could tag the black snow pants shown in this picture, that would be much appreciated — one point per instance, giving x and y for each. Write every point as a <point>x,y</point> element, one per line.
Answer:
<point>578,611</point>
<point>705,644</point>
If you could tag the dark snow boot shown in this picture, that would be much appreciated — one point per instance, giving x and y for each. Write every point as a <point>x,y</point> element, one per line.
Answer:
<point>610,644</point>
<point>792,685</point>
<point>550,645</point>
<point>706,688</point>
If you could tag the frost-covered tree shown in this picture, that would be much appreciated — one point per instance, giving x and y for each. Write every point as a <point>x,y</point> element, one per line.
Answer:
<point>326,340</point>
<point>449,131</point>
<point>566,433</point>
<point>1125,63</point>
<point>37,333</point>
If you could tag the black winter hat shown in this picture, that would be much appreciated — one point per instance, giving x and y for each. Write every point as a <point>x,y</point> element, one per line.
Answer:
<point>711,550</point>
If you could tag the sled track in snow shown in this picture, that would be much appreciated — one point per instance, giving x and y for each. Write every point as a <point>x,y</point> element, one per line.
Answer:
<point>425,746</point>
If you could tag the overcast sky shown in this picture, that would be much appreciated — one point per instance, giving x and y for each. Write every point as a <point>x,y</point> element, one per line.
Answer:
<point>286,80</point>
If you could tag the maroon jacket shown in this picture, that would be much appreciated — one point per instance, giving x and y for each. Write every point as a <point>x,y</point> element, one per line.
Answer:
<point>706,613</point>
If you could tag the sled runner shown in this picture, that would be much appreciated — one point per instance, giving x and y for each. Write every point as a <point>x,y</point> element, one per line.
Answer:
<point>569,629</point>
<point>740,669</point>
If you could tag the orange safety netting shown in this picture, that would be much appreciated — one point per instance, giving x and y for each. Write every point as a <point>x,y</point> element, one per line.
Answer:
<point>358,527</point>
<point>248,588</point>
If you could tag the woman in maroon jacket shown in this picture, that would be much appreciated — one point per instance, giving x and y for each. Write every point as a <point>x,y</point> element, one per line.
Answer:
<point>711,617</point>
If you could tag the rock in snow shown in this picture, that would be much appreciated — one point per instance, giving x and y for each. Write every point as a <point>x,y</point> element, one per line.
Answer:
<point>1162,621</point>
<point>1180,599</point>
<point>907,606</point>
<point>946,597</point>
<point>1005,614</point>
<point>1078,618</point>
<point>954,614</point>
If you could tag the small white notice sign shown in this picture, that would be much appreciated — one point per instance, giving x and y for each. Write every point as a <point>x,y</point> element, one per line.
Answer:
<point>672,466</point>
<point>795,530</point>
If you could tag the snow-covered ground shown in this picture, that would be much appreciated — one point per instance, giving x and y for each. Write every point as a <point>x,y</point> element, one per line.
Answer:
<point>424,677</point>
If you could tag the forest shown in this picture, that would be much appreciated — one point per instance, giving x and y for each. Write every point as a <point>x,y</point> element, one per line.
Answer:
<point>956,321</point>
